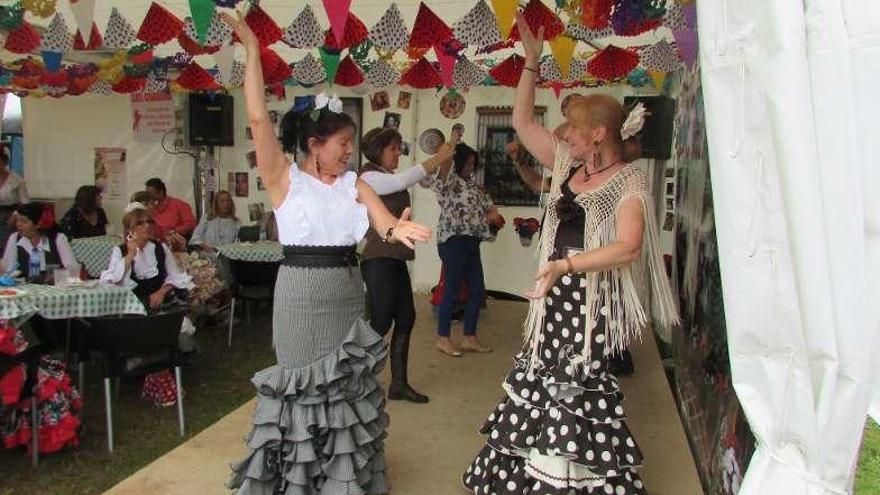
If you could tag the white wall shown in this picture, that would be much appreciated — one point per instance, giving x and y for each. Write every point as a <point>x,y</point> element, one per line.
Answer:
<point>61,136</point>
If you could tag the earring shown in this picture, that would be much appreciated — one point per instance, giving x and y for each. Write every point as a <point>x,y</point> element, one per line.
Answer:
<point>597,157</point>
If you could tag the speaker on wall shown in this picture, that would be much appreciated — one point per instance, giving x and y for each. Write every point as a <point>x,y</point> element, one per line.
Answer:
<point>656,135</point>
<point>210,120</point>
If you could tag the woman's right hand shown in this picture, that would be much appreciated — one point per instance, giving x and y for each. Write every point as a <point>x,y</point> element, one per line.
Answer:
<point>132,246</point>
<point>532,45</point>
<point>512,149</point>
<point>243,31</point>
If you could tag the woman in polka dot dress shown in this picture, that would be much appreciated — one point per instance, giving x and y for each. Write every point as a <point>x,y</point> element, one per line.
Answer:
<point>561,428</point>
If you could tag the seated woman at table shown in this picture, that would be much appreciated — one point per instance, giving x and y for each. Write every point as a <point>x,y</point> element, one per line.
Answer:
<point>86,218</point>
<point>218,226</point>
<point>51,248</point>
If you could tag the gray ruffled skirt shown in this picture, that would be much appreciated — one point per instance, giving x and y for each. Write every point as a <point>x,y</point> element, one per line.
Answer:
<point>319,423</point>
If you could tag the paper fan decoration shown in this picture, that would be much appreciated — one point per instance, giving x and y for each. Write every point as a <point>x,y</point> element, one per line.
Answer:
<point>219,33</point>
<point>382,75</point>
<point>638,78</point>
<point>422,75</point>
<point>40,8</point>
<point>24,39</point>
<point>537,14</point>
<point>195,78</point>
<point>550,70</point>
<point>586,34</point>
<point>355,33</point>
<point>80,78</point>
<point>130,84</point>
<point>159,26</point>
<point>268,33</point>
<point>155,83</point>
<point>507,73</point>
<point>390,32</point>
<point>596,14</point>
<point>304,31</point>
<point>612,63</point>
<point>629,18</point>
<point>101,88</point>
<point>478,27</point>
<point>348,74</point>
<point>309,71</point>
<point>57,37</point>
<point>660,57</point>
<point>275,69</point>
<point>95,40</point>
<point>428,29</point>
<point>467,74</point>
<point>236,79</point>
<point>119,33</point>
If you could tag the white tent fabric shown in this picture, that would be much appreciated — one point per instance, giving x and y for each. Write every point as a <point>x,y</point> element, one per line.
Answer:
<point>789,119</point>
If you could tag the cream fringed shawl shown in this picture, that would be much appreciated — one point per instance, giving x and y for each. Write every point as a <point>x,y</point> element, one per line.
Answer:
<point>622,289</point>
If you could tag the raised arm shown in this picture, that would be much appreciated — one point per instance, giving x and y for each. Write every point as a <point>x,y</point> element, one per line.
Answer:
<point>536,139</point>
<point>533,179</point>
<point>271,162</point>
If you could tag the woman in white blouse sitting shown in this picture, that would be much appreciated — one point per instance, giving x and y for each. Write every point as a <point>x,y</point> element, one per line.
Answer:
<point>13,193</point>
<point>146,267</point>
<point>219,226</point>
<point>29,241</point>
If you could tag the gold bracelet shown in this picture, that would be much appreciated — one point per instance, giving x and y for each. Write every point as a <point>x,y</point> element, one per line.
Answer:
<point>526,67</point>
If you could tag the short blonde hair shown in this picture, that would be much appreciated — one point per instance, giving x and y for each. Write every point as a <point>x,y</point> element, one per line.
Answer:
<point>135,217</point>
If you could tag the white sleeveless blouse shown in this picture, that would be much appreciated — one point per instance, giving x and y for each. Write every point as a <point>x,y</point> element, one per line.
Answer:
<point>318,214</point>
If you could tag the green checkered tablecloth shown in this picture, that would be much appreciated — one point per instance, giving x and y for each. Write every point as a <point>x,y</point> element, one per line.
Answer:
<point>253,251</point>
<point>94,252</point>
<point>72,302</point>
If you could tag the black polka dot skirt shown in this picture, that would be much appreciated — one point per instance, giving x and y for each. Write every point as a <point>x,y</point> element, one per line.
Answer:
<point>561,430</point>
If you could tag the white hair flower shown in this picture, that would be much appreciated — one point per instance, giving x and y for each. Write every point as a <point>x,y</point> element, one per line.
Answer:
<point>322,100</point>
<point>634,121</point>
<point>134,207</point>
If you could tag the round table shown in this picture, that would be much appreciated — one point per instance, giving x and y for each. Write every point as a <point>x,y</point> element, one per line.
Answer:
<point>94,252</point>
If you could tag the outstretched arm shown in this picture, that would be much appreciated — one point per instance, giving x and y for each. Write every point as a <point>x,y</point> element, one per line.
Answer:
<point>537,140</point>
<point>271,162</point>
<point>383,222</point>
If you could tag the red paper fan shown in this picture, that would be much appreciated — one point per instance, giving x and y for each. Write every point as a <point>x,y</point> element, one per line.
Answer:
<point>422,75</point>
<point>130,84</point>
<point>79,85</point>
<point>637,28</point>
<point>159,26</point>
<point>355,33</point>
<point>348,73</point>
<point>96,41</point>
<point>195,78</point>
<point>193,47</point>
<point>267,31</point>
<point>26,81</point>
<point>596,14</point>
<point>57,79</point>
<point>23,39</point>
<point>428,30</point>
<point>275,69</point>
<point>507,73</point>
<point>537,14</point>
<point>612,63</point>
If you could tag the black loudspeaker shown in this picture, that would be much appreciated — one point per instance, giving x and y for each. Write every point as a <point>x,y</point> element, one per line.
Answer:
<point>656,135</point>
<point>210,120</point>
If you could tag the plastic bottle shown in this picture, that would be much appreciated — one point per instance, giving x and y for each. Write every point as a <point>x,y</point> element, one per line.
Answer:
<point>34,267</point>
<point>262,231</point>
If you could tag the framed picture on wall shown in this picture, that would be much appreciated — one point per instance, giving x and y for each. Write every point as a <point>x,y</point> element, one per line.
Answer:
<point>241,184</point>
<point>403,100</point>
<point>391,121</point>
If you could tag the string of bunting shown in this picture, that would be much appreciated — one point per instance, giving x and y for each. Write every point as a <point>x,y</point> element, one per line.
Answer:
<point>348,52</point>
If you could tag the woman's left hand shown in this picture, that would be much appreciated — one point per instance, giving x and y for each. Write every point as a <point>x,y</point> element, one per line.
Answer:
<point>547,275</point>
<point>408,232</point>
<point>156,298</point>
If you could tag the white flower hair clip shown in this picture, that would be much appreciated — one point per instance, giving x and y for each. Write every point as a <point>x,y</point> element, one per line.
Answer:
<point>634,121</point>
<point>322,100</point>
<point>134,207</point>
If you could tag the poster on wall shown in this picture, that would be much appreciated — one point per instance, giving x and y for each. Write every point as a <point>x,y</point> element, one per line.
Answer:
<point>110,174</point>
<point>152,116</point>
<point>241,184</point>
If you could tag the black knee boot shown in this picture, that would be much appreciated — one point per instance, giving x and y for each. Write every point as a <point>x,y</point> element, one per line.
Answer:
<point>400,389</point>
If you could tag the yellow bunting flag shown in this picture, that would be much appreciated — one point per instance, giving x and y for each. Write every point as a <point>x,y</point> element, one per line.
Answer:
<point>659,78</point>
<point>563,50</point>
<point>505,12</point>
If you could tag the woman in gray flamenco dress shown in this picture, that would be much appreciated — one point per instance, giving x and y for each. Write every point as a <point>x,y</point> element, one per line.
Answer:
<point>319,424</point>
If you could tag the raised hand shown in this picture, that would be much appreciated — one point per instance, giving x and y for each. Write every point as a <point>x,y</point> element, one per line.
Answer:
<point>408,232</point>
<point>532,45</point>
<point>242,30</point>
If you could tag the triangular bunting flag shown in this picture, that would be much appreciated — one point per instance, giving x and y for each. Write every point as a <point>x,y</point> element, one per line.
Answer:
<point>355,34</point>
<point>537,14</point>
<point>237,78</point>
<point>57,37</point>
<point>196,78</point>
<point>275,69</point>
<point>467,74</point>
<point>225,59</point>
<point>660,57</point>
<point>422,75</point>
<point>382,75</point>
<point>219,33</point>
<point>550,69</point>
<point>84,15</point>
<point>658,78</point>
<point>128,85</point>
<point>309,71</point>
<point>586,34</point>
<point>159,26</point>
<point>348,74</point>
<point>263,26</point>
<point>612,63</point>
<point>101,87</point>
<point>202,14</point>
<point>331,63</point>
<point>95,40</point>
<point>505,13</point>
<point>337,13</point>
<point>507,73</point>
<point>478,27</point>
<point>563,51</point>
<point>557,89</point>
<point>428,29</point>
<point>687,45</point>
<point>119,33</point>
<point>447,66</point>
<point>390,32</point>
<point>304,31</point>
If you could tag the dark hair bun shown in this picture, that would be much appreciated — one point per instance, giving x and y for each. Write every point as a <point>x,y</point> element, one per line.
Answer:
<point>299,126</point>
